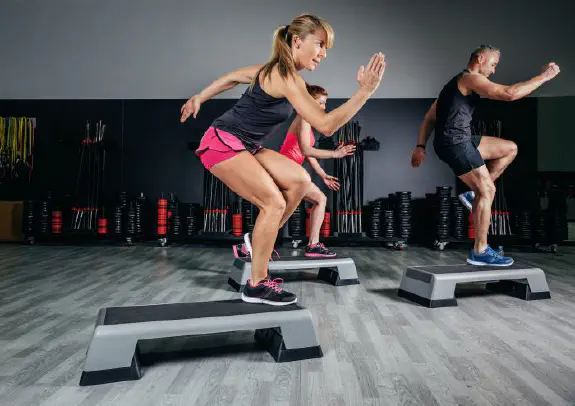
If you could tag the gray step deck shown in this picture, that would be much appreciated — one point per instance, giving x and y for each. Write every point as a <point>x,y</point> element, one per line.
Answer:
<point>337,271</point>
<point>287,332</point>
<point>434,285</point>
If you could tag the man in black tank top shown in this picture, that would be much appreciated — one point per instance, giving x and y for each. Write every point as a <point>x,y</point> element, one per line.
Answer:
<point>450,116</point>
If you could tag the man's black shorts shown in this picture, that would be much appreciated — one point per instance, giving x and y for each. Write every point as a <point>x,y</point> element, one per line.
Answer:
<point>461,157</point>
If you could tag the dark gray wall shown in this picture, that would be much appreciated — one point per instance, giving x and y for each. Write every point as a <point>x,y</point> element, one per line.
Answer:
<point>395,124</point>
<point>117,53</point>
<point>156,158</point>
<point>556,134</point>
<point>149,149</point>
<point>169,49</point>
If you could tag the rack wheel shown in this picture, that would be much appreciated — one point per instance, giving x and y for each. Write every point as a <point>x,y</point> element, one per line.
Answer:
<point>399,245</point>
<point>30,240</point>
<point>536,246</point>
<point>438,245</point>
<point>554,248</point>
<point>295,243</point>
<point>163,241</point>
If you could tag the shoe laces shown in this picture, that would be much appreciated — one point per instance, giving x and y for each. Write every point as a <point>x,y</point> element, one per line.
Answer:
<point>494,253</point>
<point>274,284</point>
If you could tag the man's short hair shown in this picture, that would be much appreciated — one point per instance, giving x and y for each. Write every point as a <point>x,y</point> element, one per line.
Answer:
<point>481,49</point>
<point>316,90</point>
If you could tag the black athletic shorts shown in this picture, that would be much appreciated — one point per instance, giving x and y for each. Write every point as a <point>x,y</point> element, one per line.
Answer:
<point>461,157</point>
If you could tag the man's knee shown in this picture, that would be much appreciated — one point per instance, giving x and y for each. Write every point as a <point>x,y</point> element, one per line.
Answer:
<point>486,189</point>
<point>512,149</point>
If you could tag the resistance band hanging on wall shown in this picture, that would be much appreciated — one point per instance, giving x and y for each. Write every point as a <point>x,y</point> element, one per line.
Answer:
<point>349,171</point>
<point>87,207</point>
<point>16,148</point>
<point>216,204</point>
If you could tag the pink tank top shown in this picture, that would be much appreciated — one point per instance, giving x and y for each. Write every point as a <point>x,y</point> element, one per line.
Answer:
<point>291,149</point>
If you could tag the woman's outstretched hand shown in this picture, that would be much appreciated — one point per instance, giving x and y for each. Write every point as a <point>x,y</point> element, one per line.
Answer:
<point>191,108</point>
<point>369,78</point>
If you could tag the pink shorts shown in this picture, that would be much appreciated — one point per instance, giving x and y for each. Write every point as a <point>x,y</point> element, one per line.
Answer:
<point>216,146</point>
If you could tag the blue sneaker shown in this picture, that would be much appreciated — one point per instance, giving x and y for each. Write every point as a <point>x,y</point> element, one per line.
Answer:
<point>489,257</point>
<point>467,199</point>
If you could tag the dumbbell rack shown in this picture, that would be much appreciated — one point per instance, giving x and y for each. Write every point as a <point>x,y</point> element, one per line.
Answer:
<point>448,218</point>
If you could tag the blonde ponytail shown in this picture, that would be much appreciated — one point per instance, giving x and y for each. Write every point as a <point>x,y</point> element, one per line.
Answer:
<point>302,26</point>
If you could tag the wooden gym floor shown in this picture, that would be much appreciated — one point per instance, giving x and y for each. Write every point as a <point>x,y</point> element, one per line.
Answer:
<point>378,349</point>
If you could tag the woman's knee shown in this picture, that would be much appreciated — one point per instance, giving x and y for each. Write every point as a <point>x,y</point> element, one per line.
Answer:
<point>322,199</point>
<point>300,183</point>
<point>317,199</point>
<point>273,203</point>
<point>303,180</point>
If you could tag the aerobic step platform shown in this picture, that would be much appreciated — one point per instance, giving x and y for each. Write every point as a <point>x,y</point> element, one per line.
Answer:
<point>337,271</point>
<point>434,285</point>
<point>287,332</point>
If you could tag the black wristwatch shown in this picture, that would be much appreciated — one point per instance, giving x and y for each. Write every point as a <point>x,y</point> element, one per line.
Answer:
<point>420,146</point>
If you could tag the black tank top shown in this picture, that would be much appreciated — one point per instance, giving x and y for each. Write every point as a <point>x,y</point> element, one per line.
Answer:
<point>454,113</point>
<point>254,116</point>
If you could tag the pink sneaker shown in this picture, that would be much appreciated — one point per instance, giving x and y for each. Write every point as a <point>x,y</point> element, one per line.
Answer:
<point>244,250</point>
<point>318,251</point>
<point>240,251</point>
